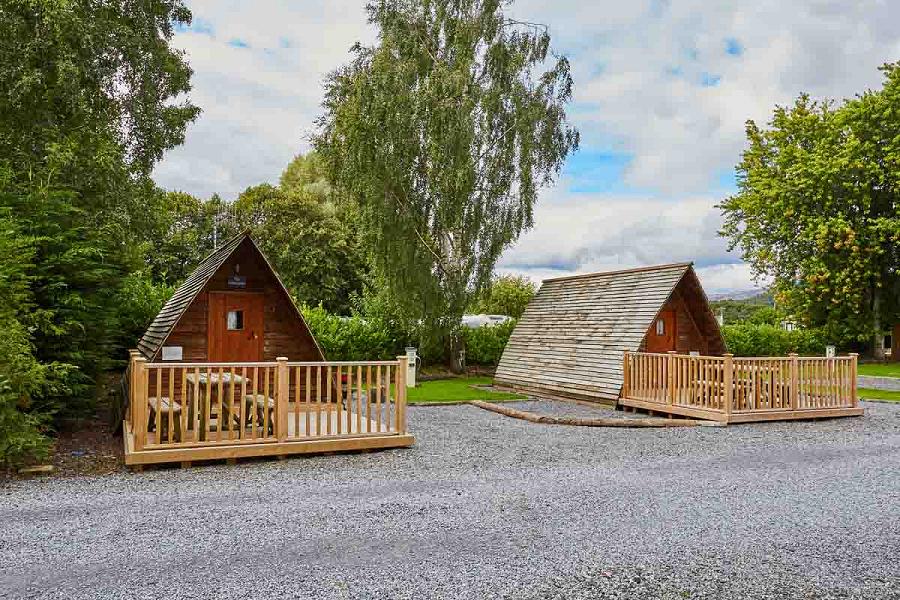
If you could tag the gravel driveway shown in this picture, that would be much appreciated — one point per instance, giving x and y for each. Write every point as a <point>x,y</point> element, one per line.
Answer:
<point>485,506</point>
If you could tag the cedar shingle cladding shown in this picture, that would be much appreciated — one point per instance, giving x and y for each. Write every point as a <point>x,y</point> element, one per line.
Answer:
<point>571,338</point>
<point>183,320</point>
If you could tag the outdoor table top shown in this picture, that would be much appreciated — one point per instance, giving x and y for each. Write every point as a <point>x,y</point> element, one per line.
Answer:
<point>213,378</point>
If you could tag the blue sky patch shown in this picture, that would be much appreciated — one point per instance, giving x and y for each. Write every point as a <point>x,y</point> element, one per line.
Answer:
<point>733,47</point>
<point>726,180</point>
<point>238,43</point>
<point>198,25</point>
<point>594,170</point>
<point>710,80</point>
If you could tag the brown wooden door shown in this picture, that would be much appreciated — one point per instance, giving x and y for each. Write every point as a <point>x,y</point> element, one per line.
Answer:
<point>236,326</point>
<point>661,337</point>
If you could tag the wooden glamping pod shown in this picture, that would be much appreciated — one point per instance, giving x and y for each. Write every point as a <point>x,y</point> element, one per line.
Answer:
<point>647,338</point>
<point>229,368</point>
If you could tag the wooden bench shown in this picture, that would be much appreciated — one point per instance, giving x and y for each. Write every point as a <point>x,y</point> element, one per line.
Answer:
<point>165,406</point>
<point>261,403</point>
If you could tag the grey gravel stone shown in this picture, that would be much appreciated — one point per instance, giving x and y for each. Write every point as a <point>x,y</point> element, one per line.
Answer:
<point>485,506</point>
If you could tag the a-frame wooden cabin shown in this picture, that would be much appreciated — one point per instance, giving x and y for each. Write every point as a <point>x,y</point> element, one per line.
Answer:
<point>229,368</point>
<point>572,337</point>
<point>232,308</point>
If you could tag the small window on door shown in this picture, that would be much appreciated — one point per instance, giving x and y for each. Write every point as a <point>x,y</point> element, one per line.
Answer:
<point>235,320</point>
<point>660,327</point>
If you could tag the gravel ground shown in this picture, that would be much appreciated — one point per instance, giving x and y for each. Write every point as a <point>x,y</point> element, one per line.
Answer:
<point>485,506</point>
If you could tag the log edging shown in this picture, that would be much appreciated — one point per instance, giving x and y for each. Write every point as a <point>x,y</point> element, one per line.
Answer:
<point>653,422</point>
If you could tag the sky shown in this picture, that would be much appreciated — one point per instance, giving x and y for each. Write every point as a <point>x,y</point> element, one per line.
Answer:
<point>663,89</point>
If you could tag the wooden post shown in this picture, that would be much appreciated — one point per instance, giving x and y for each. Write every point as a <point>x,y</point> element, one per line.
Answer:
<point>670,376</point>
<point>626,373</point>
<point>795,381</point>
<point>400,394</point>
<point>281,398</point>
<point>132,355</point>
<point>729,383</point>
<point>854,399</point>
<point>139,403</point>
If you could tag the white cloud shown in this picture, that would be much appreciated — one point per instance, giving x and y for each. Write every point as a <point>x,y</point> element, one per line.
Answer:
<point>638,68</point>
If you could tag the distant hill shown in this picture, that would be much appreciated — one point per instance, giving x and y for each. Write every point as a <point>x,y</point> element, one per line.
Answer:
<point>737,310</point>
<point>755,296</point>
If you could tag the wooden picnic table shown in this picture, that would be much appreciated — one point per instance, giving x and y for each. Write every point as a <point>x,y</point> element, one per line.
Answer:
<point>207,380</point>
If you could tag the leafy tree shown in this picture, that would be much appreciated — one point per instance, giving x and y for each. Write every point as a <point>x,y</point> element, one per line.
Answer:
<point>314,248</point>
<point>91,95</point>
<point>306,174</point>
<point>506,295</point>
<point>183,230</point>
<point>818,209</point>
<point>443,133</point>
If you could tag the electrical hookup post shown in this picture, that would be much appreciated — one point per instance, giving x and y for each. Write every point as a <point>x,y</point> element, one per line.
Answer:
<point>412,362</point>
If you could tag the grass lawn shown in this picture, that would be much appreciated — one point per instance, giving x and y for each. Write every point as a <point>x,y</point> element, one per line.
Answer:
<point>455,390</point>
<point>880,369</point>
<point>867,394</point>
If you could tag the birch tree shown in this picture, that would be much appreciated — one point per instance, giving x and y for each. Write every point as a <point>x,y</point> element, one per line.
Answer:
<point>443,132</point>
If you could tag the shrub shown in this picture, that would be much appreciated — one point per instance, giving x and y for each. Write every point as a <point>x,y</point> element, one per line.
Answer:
<point>485,344</point>
<point>138,301</point>
<point>748,339</point>
<point>352,338</point>
<point>21,434</point>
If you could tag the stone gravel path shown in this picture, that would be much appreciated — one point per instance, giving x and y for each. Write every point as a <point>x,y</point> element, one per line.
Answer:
<point>485,506</point>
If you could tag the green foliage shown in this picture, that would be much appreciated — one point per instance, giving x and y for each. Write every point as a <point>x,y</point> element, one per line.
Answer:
<point>305,174</point>
<point>22,377</point>
<point>90,97</point>
<point>73,275</point>
<point>181,231</point>
<point>484,345</point>
<point>818,209</point>
<point>22,436</point>
<point>443,133</point>
<point>138,300</point>
<point>506,295</point>
<point>352,338</point>
<point>748,339</point>
<point>739,311</point>
<point>312,243</point>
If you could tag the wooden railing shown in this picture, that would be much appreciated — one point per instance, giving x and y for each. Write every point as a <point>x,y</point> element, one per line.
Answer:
<point>188,405</point>
<point>724,385</point>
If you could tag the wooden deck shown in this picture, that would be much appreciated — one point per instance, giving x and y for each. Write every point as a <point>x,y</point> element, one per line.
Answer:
<point>741,390</point>
<point>181,412</point>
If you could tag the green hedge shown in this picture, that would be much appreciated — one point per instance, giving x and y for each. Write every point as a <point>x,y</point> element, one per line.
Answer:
<point>352,338</point>
<point>747,339</point>
<point>359,338</point>
<point>485,344</point>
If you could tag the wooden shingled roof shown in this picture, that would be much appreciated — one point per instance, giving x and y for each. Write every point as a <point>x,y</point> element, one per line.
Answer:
<point>171,312</point>
<point>572,336</point>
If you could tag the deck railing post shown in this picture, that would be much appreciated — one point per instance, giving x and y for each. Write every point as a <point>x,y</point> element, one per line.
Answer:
<point>282,396</point>
<point>729,383</point>
<point>400,394</point>
<point>626,373</point>
<point>670,376</point>
<point>129,418</point>
<point>854,399</point>
<point>138,402</point>
<point>795,381</point>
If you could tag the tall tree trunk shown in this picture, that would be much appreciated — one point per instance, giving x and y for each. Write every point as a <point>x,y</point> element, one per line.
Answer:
<point>878,337</point>
<point>457,354</point>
